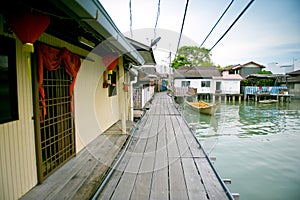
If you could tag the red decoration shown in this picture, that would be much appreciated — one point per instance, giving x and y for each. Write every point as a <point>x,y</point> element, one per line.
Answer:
<point>110,61</point>
<point>51,59</point>
<point>28,26</point>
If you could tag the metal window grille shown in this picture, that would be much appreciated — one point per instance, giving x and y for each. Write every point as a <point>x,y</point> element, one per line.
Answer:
<point>57,127</point>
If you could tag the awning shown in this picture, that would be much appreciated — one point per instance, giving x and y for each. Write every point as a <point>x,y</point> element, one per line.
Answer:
<point>145,51</point>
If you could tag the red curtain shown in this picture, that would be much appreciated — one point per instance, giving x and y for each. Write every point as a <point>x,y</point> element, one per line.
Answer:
<point>52,58</point>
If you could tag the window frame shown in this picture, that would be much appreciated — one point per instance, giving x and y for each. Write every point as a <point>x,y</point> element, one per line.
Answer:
<point>112,89</point>
<point>205,84</point>
<point>8,49</point>
<point>185,83</point>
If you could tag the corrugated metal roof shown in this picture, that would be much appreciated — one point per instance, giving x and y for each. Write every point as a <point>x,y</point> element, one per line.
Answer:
<point>229,77</point>
<point>196,72</point>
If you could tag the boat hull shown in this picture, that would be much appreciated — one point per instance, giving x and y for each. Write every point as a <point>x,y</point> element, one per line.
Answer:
<point>205,108</point>
<point>268,101</point>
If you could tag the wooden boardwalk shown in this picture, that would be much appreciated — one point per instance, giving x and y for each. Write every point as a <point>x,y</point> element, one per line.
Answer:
<point>164,161</point>
<point>80,177</point>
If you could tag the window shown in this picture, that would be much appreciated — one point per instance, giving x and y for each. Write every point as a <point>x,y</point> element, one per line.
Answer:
<point>205,83</point>
<point>112,91</point>
<point>185,83</point>
<point>218,85</point>
<point>8,81</point>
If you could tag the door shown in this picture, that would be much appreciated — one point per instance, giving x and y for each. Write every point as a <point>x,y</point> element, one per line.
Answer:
<point>54,122</point>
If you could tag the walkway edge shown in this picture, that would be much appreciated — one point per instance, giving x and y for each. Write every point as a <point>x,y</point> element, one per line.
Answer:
<point>224,186</point>
<point>111,171</point>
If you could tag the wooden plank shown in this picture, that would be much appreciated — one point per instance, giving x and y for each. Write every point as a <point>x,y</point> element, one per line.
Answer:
<point>115,178</point>
<point>97,174</point>
<point>160,186</point>
<point>213,186</point>
<point>142,185</point>
<point>126,183</point>
<point>181,141</point>
<point>171,140</point>
<point>56,181</point>
<point>128,178</point>
<point>76,181</point>
<point>195,187</point>
<point>191,141</point>
<point>178,188</point>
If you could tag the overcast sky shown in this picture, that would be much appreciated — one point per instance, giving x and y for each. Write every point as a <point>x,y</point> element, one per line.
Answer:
<point>269,30</point>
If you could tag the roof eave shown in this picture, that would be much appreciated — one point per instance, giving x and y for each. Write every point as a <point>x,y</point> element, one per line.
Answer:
<point>93,13</point>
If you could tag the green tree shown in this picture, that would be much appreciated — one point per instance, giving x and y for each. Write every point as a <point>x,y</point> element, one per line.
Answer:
<point>192,55</point>
<point>264,72</point>
<point>265,81</point>
<point>180,61</point>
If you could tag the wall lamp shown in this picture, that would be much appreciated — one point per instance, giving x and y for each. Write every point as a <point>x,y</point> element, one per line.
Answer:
<point>86,42</point>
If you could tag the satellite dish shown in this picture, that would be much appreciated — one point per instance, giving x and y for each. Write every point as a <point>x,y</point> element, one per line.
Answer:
<point>154,42</point>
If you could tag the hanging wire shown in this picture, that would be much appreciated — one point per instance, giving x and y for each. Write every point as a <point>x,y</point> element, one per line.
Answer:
<point>130,18</point>
<point>216,23</point>
<point>157,16</point>
<point>186,5</point>
<point>232,24</point>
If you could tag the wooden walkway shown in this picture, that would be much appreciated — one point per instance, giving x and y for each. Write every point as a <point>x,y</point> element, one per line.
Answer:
<point>164,161</point>
<point>80,177</point>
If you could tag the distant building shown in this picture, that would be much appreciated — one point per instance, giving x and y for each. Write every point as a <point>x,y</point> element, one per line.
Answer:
<point>244,70</point>
<point>294,83</point>
<point>144,88</point>
<point>277,68</point>
<point>228,84</point>
<point>198,77</point>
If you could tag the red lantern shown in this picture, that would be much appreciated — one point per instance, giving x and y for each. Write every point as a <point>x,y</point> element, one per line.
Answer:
<point>28,26</point>
<point>110,61</point>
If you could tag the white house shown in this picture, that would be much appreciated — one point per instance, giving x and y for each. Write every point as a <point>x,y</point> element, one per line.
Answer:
<point>227,84</point>
<point>199,77</point>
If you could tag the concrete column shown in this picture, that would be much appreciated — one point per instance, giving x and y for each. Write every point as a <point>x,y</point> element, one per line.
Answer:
<point>121,96</point>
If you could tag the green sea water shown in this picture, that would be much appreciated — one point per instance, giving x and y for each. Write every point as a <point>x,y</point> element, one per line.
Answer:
<point>256,145</point>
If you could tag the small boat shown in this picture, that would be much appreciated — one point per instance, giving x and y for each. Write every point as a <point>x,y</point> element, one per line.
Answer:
<point>268,101</point>
<point>202,107</point>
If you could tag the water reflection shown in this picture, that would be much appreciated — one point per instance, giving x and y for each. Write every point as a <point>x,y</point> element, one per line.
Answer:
<point>243,119</point>
<point>256,145</point>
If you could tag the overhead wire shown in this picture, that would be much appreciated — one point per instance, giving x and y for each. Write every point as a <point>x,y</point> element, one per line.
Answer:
<point>156,21</point>
<point>130,18</point>
<point>216,23</point>
<point>248,5</point>
<point>186,6</point>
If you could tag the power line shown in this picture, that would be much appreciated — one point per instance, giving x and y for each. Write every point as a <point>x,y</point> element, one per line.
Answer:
<point>186,5</point>
<point>216,23</point>
<point>232,24</point>
<point>157,16</point>
<point>130,18</point>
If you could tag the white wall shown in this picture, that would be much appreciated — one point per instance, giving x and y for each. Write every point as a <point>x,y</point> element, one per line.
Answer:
<point>196,83</point>
<point>147,94</point>
<point>230,87</point>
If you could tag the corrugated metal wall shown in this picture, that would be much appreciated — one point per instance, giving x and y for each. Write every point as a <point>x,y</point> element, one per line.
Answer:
<point>17,145</point>
<point>18,172</point>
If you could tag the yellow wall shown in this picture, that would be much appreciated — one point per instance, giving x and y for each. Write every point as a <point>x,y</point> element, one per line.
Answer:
<point>94,113</point>
<point>17,144</point>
